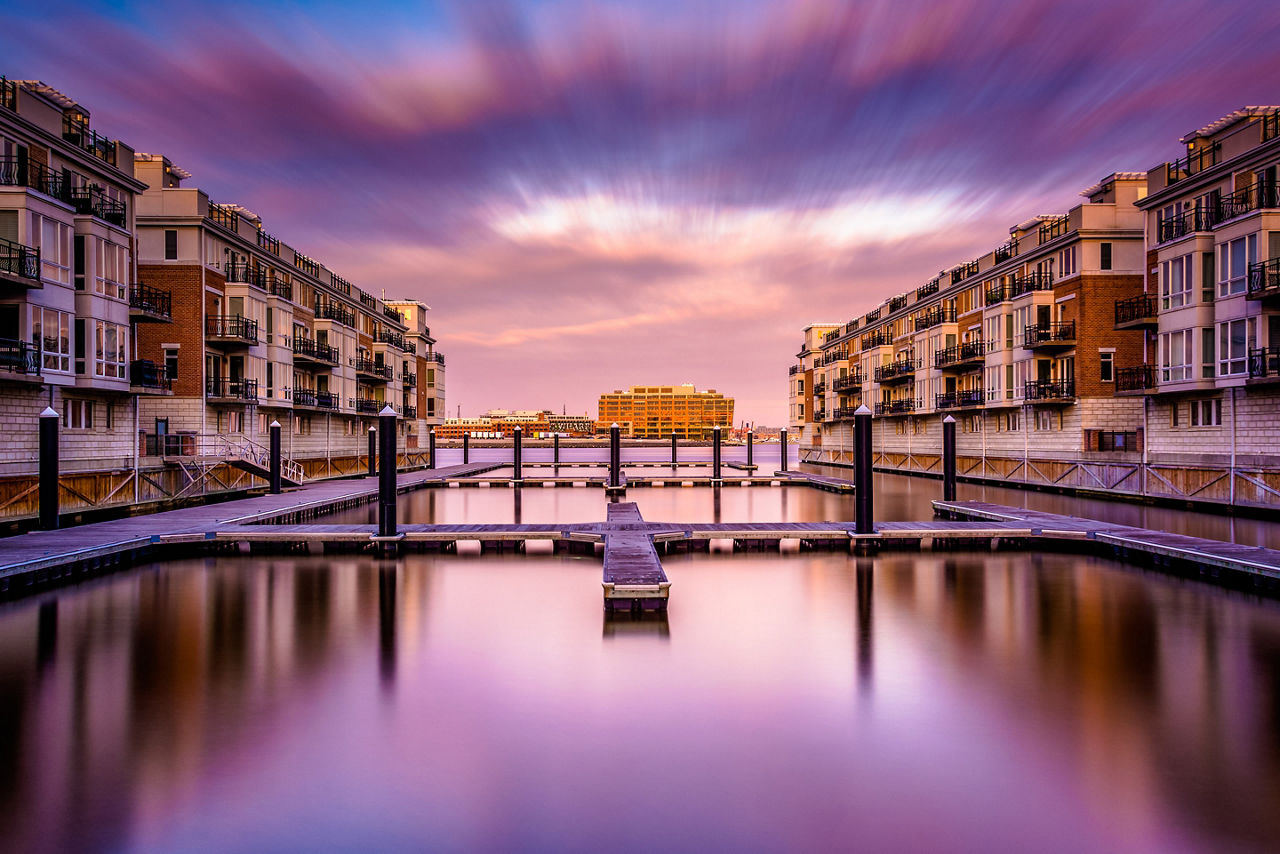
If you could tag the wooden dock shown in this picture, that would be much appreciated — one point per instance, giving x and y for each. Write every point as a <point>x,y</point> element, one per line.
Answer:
<point>633,575</point>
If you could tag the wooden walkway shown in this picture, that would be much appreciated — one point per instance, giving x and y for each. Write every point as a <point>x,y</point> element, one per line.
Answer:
<point>633,575</point>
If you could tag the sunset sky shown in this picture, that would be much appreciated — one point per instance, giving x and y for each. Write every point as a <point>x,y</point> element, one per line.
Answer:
<point>596,195</point>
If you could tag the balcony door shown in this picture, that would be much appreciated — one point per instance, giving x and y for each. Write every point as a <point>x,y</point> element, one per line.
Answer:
<point>1044,316</point>
<point>1044,370</point>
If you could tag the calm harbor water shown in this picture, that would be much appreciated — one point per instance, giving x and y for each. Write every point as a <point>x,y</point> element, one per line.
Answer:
<point>971,702</point>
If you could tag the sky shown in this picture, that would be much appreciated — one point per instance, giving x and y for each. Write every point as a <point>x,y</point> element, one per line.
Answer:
<point>594,195</point>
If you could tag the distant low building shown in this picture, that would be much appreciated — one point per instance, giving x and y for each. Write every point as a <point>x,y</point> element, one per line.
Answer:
<point>502,424</point>
<point>655,412</point>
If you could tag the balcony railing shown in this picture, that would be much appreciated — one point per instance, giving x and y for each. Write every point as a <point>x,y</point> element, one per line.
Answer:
<point>1139,309</point>
<point>879,338</point>
<point>899,369</point>
<point>395,339</point>
<point>1049,390</point>
<point>897,407</point>
<point>436,357</point>
<point>851,326</point>
<point>872,316</point>
<point>19,260</point>
<point>1264,279</point>
<point>409,411</point>
<point>365,405</point>
<point>309,348</point>
<point>820,415</point>
<point>144,373</point>
<point>221,388</point>
<point>410,380</point>
<point>819,388</point>
<point>898,302</point>
<point>19,357</point>
<point>1029,282</point>
<point>968,351</point>
<point>1006,251</point>
<point>336,311</point>
<point>249,274</point>
<point>393,314</point>
<point>151,300</point>
<point>960,399</point>
<point>1195,161</point>
<point>1137,378</point>
<point>269,243</point>
<point>1049,334</point>
<point>311,266</point>
<point>843,413</point>
<point>76,131</point>
<point>927,289</point>
<point>934,316</point>
<point>8,94</point>
<point>231,327</point>
<point>223,216</point>
<point>793,370</point>
<point>310,399</point>
<point>1051,228</point>
<point>963,272</point>
<point>92,200</point>
<point>1264,362</point>
<point>281,288</point>
<point>369,366</point>
<point>1188,222</point>
<point>998,293</point>
<point>851,381</point>
<point>831,336</point>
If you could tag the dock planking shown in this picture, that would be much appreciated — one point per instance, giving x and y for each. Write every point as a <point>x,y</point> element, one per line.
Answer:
<point>633,576</point>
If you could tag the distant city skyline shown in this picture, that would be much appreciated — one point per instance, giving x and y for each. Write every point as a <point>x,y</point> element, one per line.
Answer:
<point>591,197</point>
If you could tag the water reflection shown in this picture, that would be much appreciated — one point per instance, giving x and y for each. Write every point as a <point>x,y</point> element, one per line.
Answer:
<point>636,624</point>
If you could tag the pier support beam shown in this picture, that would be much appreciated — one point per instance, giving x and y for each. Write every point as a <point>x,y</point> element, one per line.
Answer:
<point>615,456</point>
<point>783,450</point>
<point>387,482</point>
<point>373,452</point>
<point>674,443</point>
<point>466,447</point>
<point>275,457</point>
<point>862,499</point>
<point>431,448</point>
<point>516,440</point>
<point>948,459</point>
<point>49,469</point>
<point>715,454</point>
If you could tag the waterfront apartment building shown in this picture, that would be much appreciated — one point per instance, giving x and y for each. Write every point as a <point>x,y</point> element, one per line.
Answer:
<point>655,412</point>
<point>70,304</point>
<point>262,333</point>
<point>1018,345</point>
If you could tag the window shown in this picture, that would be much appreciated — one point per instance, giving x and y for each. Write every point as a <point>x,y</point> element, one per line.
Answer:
<point>1105,262</point>
<point>54,242</point>
<point>112,269</point>
<point>1175,356</point>
<point>170,244</point>
<point>431,377</point>
<point>171,363</point>
<point>302,425</point>
<point>1067,261</point>
<point>799,386</point>
<point>1234,259</point>
<point>77,414</point>
<point>1207,368</point>
<point>1011,421</point>
<point>1107,367</point>
<point>431,406</point>
<point>1234,338</point>
<point>231,422</point>
<point>972,423</point>
<point>109,349</point>
<point>1175,282</point>
<point>51,333</point>
<point>1048,419</point>
<point>1206,413</point>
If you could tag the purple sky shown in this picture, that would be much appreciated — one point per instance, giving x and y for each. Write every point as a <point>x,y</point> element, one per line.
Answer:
<point>596,195</point>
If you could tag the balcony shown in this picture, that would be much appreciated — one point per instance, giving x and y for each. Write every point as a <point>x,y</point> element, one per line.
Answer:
<point>436,357</point>
<point>20,264</point>
<point>224,216</point>
<point>1195,161</point>
<point>336,311</point>
<point>896,407</point>
<point>392,314</point>
<point>794,369</point>
<point>1135,381</point>
<point>223,390</point>
<point>249,274</point>
<point>1136,312</point>
<point>896,371</point>
<point>960,399</point>
<point>371,369</point>
<point>1030,282</point>
<point>150,305</point>
<point>280,288</point>
<point>934,316</point>
<point>1264,279</point>
<point>311,267</point>
<point>998,293</point>
<point>1264,364</point>
<point>965,356</point>
<point>410,380</point>
<point>819,389</point>
<point>872,316</point>
<point>1051,229</point>
<point>387,336</point>
<point>1050,391</point>
<point>851,381</point>
<point>269,243</point>
<point>959,274</point>
<point>76,130</point>
<point>305,398</point>
<point>230,330</point>
<point>898,302</point>
<point>409,411</point>
<point>928,289</point>
<point>146,377</point>
<point>92,200</point>
<point>1048,336</point>
<point>844,413</point>
<point>366,405</point>
<point>831,336</point>
<point>1006,251</point>
<point>310,350</point>
<point>820,415</point>
<point>1188,222</point>
<point>19,358</point>
<point>879,338</point>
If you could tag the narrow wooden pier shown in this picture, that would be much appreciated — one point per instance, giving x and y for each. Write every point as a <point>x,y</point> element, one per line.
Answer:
<point>633,575</point>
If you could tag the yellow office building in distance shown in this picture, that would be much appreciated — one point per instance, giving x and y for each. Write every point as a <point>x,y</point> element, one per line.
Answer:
<point>655,412</point>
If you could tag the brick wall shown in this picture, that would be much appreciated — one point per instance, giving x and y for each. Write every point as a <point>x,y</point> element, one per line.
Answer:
<point>185,284</point>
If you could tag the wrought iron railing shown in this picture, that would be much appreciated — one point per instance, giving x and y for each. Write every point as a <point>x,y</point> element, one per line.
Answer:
<point>1264,362</point>
<point>228,389</point>
<point>1264,278</point>
<point>76,131</point>
<point>312,267</point>
<point>1137,378</point>
<point>1051,228</point>
<point>312,349</point>
<point>1061,332</point>
<point>19,357</point>
<point>960,399</point>
<point>1040,280</point>
<point>231,326</point>
<point>144,373</point>
<point>19,260</point>
<point>1196,161</point>
<point>895,303</point>
<point>928,289</point>
<point>879,338</point>
<point>935,315</point>
<point>224,216</point>
<point>1006,251</point>
<point>336,311</point>
<point>967,351</point>
<point>151,300</point>
<point>92,200</point>
<point>1140,307</point>
<point>897,407</point>
<point>1044,390</point>
<point>269,243</point>
<point>896,370</point>
<point>964,271</point>
<point>369,366</point>
<point>246,273</point>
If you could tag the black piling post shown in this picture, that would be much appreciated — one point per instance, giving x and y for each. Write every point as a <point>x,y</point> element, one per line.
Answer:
<point>373,451</point>
<point>784,447</point>
<point>387,483</point>
<point>863,509</point>
<point>466,447</point>
<point>516,439</point>
<point>555,453</point>
<point>275,457</point>
<point>673,447</point>
<point>750,455</point>
<point>948,459</point>
<point>49,469</point>
<point>431,448</point>
<point>715,454</point>
<point>615,455</point>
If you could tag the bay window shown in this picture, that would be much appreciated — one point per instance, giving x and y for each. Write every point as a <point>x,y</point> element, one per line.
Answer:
<point>1175,356</point>
<point>1234,338</point>
<point>110,342</point>
<point>112,274</point>
<point>1234,259</point>
<point>1175,282</point>
<point>51,333</point>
